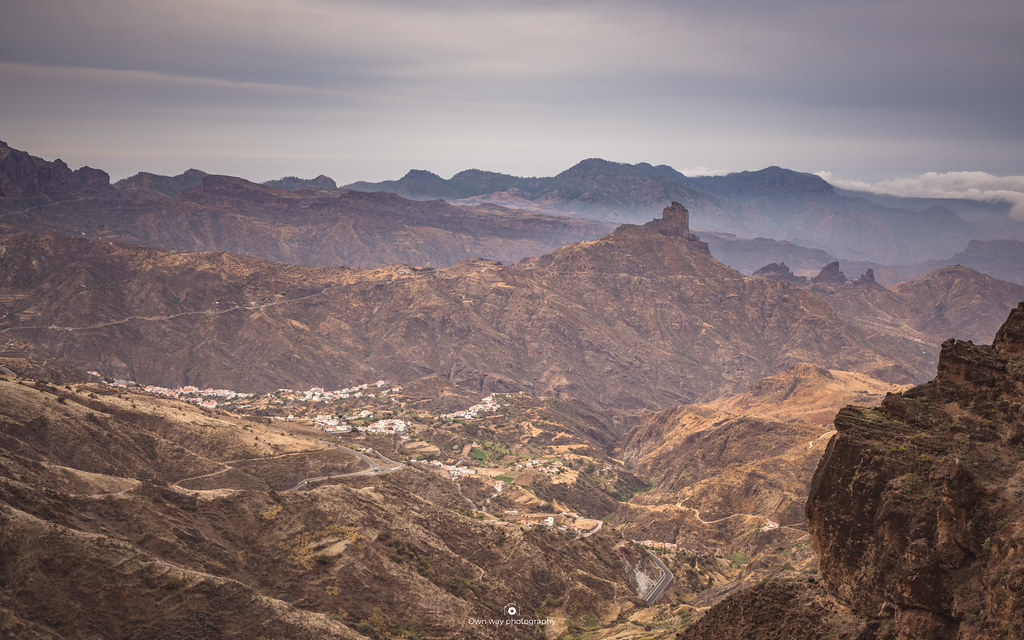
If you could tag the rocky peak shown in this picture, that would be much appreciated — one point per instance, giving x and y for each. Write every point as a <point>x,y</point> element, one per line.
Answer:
<point>677,215</point>
<point>26,176</point>
<point>867,278</point>
<point>293,183</point>
<point>674,221</point>
<point>779,271</point>
<point>830,274</point>
<point>1010,337</point>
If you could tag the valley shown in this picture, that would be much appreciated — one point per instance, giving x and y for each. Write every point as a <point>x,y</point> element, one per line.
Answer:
<point>294,410</point>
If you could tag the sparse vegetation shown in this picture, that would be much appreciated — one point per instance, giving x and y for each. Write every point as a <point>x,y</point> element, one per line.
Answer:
<point>738,559</point>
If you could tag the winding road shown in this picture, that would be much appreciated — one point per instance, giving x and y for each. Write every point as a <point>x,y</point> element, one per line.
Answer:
<point>374,467</point>
<point>666,579</point>
<point>182,314</point>
<point>696,514</point>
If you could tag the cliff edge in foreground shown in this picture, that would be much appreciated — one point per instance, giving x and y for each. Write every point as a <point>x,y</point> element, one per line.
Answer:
<point>916,512</point>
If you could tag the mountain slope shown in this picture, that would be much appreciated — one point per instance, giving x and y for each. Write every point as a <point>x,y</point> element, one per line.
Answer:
<point>643,317</point>
<point>316,227</point>
<point>952,301</point>
<point>750,453</point>
<point>99,537</point>
<point>915,511</point>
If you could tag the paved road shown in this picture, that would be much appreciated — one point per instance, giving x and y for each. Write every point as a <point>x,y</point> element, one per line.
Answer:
<point>376,468</point>
<point>205,312</point>
<point>696,514</point>
<point>666,579</point>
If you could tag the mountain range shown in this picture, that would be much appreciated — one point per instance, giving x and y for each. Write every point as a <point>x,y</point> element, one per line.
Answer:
<point>656,441</point>
<point>774,203</point>
<point>749,219</point>
<point>589,320</point>
<point>316,227</point>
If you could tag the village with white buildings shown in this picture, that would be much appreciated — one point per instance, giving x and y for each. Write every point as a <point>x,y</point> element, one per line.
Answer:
<point>378,411</point>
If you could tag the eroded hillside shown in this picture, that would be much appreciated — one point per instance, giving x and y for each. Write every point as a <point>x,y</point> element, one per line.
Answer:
<point>915,512</point>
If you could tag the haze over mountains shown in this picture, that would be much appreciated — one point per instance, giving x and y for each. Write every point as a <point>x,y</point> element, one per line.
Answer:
<point>773,202</point>
<point>197,212</point>
<point>755,218</point>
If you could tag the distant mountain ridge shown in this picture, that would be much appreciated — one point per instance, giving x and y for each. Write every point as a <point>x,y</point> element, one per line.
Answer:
<point>31,179</point>
<point>311,223</point>
<point>773,202</point>
<point>790,217</point>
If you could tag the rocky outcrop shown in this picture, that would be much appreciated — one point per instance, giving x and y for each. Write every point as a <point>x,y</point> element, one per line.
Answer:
<point>779,271</point>
<point>867,278</point>
<point>830,274</point>
<point>1010,338</point>
<point>916,506</point>
<point>291,183</point>
<point>25,177</point>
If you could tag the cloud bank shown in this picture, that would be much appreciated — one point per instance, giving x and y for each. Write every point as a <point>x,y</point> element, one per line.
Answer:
<point>960,185</point>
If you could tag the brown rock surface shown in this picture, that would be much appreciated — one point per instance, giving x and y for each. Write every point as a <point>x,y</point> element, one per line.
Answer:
<point>917,504</point>
<point>643,317</point>
<point>829,274</point>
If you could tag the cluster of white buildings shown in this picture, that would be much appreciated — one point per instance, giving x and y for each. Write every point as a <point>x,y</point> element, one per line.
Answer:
<point>206,398</point>
<point>547,522</point>
<point>387,425</point>
<point>489,404</point>
<point>453,469</point>
<point>656,545</point>
<point>334,424</point>
<point>211,397</point>
<point>539,466</point>
<point>318,394</point>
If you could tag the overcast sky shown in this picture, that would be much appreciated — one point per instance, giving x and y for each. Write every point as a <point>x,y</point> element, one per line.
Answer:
<point>865,90</point>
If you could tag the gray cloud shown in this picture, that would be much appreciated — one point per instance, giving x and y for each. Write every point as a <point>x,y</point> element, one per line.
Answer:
<point>864,89</point>
<point>962,185</point>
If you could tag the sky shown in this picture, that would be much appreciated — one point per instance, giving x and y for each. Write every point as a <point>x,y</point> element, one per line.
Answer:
<point>867,92</point>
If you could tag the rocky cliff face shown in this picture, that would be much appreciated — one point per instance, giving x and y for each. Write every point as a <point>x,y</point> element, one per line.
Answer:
<point>25,177</point>
<point>916,509</point>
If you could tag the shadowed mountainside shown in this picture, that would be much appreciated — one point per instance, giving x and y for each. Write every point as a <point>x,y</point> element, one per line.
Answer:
<point>774,202</point>
<point>915,511</point>
<point>643,317</point>
<point>317,226</point>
